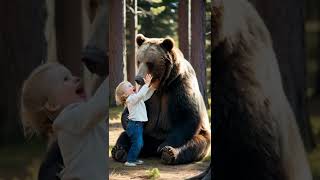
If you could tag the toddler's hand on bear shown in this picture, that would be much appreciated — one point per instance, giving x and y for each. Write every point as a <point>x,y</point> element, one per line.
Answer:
<point>147,79</point>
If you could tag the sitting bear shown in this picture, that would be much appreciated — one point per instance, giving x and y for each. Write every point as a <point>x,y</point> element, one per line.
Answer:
<point>178,127</point>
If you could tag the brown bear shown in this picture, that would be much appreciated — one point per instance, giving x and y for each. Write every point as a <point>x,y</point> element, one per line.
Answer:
<point>178,126</point>
<point>256,136</point>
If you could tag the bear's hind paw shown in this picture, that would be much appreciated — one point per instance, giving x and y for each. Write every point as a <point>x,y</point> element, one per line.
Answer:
<point>169,155</point>
<point>119,153</point>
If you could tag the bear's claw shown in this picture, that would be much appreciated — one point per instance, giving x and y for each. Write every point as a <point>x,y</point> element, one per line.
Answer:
<point>119,153</point>
<point>169,155</point>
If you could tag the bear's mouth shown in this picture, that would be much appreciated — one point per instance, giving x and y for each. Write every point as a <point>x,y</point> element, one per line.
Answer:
<point>139,80</point>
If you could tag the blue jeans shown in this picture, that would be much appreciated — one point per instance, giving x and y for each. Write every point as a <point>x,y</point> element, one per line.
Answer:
<point>135,132</point>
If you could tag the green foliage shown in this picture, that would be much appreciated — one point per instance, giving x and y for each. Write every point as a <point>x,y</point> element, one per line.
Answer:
<point>312,50</point>
<point>153,173</point>
<point>314,156</point>
<point>158,10</point>
<point>314,159</point>
<point>156,1</point>
<point>158,18</point>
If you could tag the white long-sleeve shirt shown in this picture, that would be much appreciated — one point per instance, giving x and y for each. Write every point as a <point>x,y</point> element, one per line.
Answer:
<point>136,106</point>
<point>83,138</point>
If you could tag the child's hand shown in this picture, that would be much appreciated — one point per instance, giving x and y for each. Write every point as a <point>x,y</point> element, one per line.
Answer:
<point>147,79</point>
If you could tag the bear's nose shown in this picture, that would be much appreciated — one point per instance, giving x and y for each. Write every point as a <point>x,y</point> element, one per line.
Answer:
<point>139,80</point>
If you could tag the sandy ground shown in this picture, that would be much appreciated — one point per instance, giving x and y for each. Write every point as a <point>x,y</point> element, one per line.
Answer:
<point>117,171</point>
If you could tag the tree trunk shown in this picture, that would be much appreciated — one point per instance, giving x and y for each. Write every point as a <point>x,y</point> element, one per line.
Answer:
<point>50,32</point>
<point>69,34</point>
<point>317,88</point>
<point>285,20</point>
<point>316,5</point>
<point>22,48</point>
<point>97,43</point>
<point>198,60</point>
<point>131,45</point>
<point>317,56</point>
<point>184,27</point>
<point>116,45</point>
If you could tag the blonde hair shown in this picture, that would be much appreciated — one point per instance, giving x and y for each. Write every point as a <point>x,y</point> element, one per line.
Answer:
<point>121,96</point>
<point>34,116</point>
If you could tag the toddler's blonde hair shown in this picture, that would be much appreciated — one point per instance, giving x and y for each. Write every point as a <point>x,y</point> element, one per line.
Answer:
<point>121,96</point>
<point>35,92</point>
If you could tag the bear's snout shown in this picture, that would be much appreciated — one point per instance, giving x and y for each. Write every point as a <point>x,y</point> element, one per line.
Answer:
<point>139,80</point>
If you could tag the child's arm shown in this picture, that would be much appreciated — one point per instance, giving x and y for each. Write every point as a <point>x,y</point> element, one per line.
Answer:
<point>153,86</point>
<point>134,98</point>
<point>79,117</point>
<point>149,94</point>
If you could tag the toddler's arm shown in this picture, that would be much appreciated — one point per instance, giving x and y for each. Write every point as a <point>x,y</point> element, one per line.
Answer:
<point>79,117</point>
<point>153,86</point>
<point>134,98</point>
<point>149,94</point>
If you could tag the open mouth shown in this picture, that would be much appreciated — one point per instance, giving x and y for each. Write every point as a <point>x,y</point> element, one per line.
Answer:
<point>80,92</point>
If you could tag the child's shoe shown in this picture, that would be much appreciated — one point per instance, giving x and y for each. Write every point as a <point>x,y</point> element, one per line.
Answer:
<point>130,164</point>
<point>138,162</point>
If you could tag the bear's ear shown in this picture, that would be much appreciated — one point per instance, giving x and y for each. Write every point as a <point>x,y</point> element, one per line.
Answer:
<point>168,44</point>
<point>140,39</point>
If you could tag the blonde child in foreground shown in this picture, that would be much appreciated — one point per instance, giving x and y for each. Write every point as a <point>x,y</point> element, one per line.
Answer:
<point>126,95</point>
<point>54,103</point>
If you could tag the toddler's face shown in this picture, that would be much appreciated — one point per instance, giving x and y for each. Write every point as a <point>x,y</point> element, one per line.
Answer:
<point>64,89</point>
<point>129,89</point>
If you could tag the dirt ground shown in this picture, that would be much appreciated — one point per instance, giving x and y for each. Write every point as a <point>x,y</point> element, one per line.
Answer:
<point>117,171</point>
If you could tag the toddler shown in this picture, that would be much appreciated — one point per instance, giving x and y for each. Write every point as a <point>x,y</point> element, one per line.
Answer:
<point>54,104</point>
<point>126,95</point>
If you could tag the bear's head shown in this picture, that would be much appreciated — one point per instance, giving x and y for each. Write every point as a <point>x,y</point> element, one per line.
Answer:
<point>158,57</point>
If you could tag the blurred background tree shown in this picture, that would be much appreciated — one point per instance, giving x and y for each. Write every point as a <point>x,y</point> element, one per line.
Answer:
<point>313,47</point>
<point>117,47</point>
<point>285,21</point>
<point>22,48</point>
<point>68,26</point>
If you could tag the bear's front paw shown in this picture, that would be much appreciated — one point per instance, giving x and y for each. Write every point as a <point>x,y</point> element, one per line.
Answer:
<point>119,153</point>
<point>169,155</point>
<point>161,147</point>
